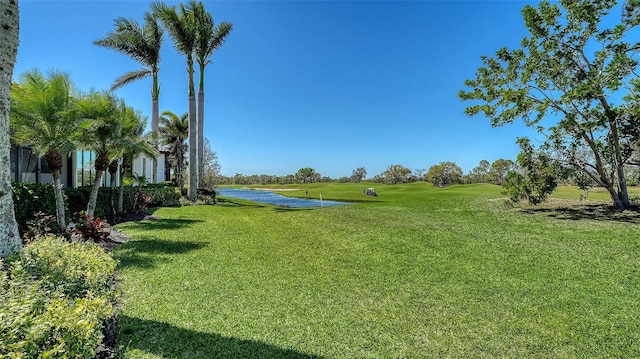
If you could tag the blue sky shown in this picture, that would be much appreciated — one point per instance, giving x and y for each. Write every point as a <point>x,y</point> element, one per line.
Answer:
<point>332,85</point>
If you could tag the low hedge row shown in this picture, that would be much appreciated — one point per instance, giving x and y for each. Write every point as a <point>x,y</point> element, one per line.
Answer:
<point>29,198</point>
<point>55,298</point>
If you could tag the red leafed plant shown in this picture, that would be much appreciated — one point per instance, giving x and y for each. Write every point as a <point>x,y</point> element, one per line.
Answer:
<point>89,228</point>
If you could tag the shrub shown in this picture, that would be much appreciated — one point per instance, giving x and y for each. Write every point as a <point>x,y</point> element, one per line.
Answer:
<point>40,226</point>
<point>163,196</point>
<point>54,298</point>
<point>75,268</point>
<point>30,198</point>
<point>89,228</point>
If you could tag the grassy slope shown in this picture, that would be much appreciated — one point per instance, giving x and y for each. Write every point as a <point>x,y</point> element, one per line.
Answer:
<point>422,272</point>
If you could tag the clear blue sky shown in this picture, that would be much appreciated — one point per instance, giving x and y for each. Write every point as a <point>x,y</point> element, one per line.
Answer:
<point>332,85</point>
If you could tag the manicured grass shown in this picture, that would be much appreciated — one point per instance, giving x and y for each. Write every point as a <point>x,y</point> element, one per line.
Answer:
<point>420,272</point>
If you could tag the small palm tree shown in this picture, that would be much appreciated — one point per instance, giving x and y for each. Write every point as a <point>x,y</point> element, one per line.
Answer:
<point>40,117</point>
<point>174,131</point>
<point>131,144</point>
<point>208,39</point>
<point>104,124</point>
<point>142,43</point>
<point>182,29</point>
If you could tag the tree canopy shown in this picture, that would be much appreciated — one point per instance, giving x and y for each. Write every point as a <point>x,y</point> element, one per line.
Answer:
<point>575,80</point>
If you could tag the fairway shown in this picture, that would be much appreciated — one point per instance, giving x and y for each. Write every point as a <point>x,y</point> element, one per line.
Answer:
<point>417,272</point>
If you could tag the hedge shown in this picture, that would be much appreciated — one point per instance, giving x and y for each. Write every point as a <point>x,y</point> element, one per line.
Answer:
<point>29,198</point>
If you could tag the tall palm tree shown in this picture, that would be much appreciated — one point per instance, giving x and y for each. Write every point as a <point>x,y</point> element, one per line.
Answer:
<point>9,239</point>
<point>182,29</point>
<point>174,130</point>
<point>104,125</point>
<point>142,43</point>
<point>40,117</point>
<point>208,38</point>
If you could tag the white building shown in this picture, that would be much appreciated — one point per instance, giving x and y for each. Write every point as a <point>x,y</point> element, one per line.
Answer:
<point>77,169</point>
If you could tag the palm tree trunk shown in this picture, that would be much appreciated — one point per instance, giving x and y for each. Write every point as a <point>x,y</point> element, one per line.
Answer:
<point>193,161</point>
<point>112,188</point>
<point>9,238</point>
<point>200,133</point>
<point>57,191</point>
<point>93,197</point>
<point>121,197</point>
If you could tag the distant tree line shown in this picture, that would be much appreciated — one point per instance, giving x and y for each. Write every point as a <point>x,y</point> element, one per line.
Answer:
<point>442,174</point>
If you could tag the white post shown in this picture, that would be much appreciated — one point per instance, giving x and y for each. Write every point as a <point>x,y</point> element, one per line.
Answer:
<point>321,200</point>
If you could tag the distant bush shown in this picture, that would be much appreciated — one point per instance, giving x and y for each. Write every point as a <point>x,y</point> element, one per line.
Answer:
<point>55,297</point>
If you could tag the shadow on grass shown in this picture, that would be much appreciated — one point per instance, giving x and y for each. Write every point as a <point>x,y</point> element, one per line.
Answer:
<point>160,224</point>
<point>147,252</point>
<point>170,341</point>
<point>596,211</point>
<point>225,202</point>
<point>294,209</point>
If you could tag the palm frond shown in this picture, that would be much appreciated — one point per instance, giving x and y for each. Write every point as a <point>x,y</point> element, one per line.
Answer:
<point>130,77</point>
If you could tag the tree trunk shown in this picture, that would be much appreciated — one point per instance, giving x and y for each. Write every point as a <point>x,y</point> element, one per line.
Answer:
<point>200,117</point>
<point>93,197</point>
<point>193,161</point>
<point>9,27</point>
<point>618,204</point>
<point>57,191</point>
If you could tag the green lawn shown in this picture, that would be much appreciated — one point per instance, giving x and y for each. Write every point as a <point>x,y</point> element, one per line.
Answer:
<point>420,272</point>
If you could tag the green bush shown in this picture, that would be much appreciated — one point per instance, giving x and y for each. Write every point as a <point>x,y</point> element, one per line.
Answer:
<point>75,268</point>
<point>163,196</point>
<point>54,298</point>
<point>79,197</point>
<point>29,198</point>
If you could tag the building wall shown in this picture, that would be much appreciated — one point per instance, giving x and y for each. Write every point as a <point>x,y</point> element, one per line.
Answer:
<point>77,168</point>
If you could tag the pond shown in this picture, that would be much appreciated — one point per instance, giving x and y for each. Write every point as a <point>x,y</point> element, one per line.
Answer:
<point>275,199</point>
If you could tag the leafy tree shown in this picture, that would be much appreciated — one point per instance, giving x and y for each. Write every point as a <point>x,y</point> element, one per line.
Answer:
<point>444,174</point>
<point>395,174</point>
<point>40,117</point>
<point>174,131</point>
<point>211,168</point>
<point>358,175</point>
<point>538,178</point>
<point>499,170</point>
<point>307,175</point>
<point>142,43</point>
<point>580,77</point>
<point>9,238</point>
<point>182,29</point>
<point>208,39</point>
<point>480,173</point>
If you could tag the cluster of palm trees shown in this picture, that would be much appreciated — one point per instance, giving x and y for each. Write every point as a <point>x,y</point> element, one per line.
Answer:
<point>48,113</point>
<point>194,35</point>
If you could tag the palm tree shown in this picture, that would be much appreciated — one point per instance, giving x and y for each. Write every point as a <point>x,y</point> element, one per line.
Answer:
<point>174,131</point>
<point>133,143</point>
<point>208,39</point>
<point>142,43</point>
<point>9,239</point>
<point>105,123</point>
<point>182,29</point>
<point>40,109</point>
